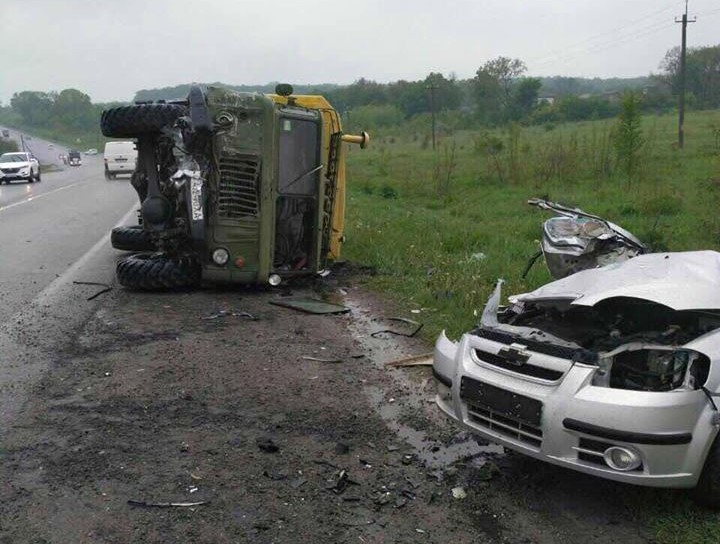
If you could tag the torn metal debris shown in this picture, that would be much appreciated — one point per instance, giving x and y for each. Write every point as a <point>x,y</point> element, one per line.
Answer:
<point>576,240</point>
<point>310,305</point>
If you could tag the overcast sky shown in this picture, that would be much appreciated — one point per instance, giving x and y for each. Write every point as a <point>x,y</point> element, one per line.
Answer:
<point>111,48</point>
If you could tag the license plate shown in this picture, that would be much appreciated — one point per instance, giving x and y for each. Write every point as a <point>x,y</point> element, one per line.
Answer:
<point>504,402</point>
<point>120,159</point>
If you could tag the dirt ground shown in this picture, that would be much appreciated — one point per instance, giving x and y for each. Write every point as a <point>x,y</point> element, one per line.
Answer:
<point>160,399</point>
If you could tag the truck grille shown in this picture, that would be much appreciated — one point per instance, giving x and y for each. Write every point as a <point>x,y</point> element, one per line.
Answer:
<point>504,412</point>
<point>239,187</point>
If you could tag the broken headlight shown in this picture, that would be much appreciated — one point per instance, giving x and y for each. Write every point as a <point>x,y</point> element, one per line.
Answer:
<point>653,370</point>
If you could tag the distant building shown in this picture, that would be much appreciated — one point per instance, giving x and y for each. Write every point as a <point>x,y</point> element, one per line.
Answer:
<point>546,100</point>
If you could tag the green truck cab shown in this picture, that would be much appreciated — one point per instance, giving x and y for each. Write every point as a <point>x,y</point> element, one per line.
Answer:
<point>234,187</point>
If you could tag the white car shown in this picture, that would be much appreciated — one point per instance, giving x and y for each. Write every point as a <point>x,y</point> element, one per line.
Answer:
<point>611,371</point>
<point>19,166</point>
<point>92,151</point>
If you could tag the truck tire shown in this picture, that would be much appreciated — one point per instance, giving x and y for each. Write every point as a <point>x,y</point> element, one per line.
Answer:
<point>707,491</point>
<point>157,272</point>
<point>139,120</point>
<point>132,238</point>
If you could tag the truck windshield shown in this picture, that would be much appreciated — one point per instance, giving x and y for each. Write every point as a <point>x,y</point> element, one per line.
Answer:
<point>298,169</point>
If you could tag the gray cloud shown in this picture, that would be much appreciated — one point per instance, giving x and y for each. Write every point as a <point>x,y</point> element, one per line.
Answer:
<point>110,49</point>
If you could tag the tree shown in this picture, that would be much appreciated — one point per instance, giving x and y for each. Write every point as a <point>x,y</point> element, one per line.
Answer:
<point>702,65</point>
<point>525,97</point>
<point>494,82</point>
<point>34,107</point>
<point>628,138</point>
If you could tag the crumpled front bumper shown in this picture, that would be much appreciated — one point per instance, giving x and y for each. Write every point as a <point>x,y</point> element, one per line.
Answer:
<point>569,422</point>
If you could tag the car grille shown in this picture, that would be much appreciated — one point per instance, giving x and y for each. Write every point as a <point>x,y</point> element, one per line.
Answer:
<point>525,369</point>
<point>515,416</point>
<point>238,189</point>
<point>10,170</point>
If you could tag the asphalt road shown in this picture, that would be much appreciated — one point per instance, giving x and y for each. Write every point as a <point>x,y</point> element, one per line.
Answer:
<point>46,152</point>
<point>46,227</point>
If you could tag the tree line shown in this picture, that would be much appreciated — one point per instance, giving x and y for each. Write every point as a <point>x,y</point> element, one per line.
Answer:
<point>500,92</point>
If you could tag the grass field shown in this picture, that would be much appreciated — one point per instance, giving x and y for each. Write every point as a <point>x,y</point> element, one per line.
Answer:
<point>442,227</point>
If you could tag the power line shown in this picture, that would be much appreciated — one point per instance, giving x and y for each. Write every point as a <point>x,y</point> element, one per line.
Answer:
<point>561,52</point>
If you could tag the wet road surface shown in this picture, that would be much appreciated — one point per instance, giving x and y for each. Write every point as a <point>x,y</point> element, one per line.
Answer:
<point>45,227</point>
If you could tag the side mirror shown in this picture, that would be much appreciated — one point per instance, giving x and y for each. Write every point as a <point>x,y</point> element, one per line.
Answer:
<point>363,139</point>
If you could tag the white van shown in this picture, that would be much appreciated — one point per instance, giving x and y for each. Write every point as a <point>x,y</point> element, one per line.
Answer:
<point>120,158</point>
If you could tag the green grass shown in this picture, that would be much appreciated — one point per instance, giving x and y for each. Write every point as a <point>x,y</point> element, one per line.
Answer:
<point>425,234</point>
<point>74,139</point>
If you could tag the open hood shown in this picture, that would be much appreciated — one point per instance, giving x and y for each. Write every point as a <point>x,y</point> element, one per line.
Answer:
<point>681,281</point>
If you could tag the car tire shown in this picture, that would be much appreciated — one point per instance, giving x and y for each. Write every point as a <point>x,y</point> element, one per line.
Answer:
<point>107,174</point>
<point>132,238</point>
<point>139,120</point>
<point>157,272</point>
<point>707,491</point>
<point>37,177</point>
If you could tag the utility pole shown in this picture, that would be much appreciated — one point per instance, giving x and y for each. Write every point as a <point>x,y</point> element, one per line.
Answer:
<point>681,99</point>
<point>431,87</point>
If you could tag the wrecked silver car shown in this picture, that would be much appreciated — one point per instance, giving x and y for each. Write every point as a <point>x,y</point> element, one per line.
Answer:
<point>611,371</point>
<point>575,240</point>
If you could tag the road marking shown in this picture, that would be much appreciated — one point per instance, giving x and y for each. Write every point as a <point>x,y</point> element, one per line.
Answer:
<point>30,199</point>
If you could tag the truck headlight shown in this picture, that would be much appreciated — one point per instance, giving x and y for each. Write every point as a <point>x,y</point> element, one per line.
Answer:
<point>220,256</point>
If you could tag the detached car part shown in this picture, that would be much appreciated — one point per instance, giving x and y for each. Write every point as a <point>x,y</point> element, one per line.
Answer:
<point>611,371</point>
<point>576,240</point>
<point>233,187</point>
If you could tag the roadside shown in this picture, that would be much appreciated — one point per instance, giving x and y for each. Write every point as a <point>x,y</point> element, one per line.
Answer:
<point>172,398</point>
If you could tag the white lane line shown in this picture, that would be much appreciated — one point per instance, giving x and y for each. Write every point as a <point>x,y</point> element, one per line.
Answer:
<point>30,199</point>
<point>64,279</point>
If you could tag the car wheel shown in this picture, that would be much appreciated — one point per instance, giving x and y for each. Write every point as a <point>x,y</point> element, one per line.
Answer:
<point>37,178</point>
<point>107,174</point>
<point>157,272</point>
<point>31,178</point>
<point>707,491</point>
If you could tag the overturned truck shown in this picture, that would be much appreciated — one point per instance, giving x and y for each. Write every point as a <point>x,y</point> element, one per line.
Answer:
<point>612,371</point>
<point>233,187</point>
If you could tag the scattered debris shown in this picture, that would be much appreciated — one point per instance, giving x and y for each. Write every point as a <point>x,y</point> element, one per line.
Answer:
<point>341,482</point>
<point>267,445</point>
<point>418,327</point>
<point>195,476</point>
<point>393,447</point>
<point>107,288</point>
<point>297,483</point>
<point>184,446</point>
<point>310,305</point>
<point>277,476</point>
<point>320,359</point>
<point>459,493</point>
<point>416,360</point>
<point>230,313</point>
<point>407,459</point>
<point>166,504</point>
<point>192,489</point>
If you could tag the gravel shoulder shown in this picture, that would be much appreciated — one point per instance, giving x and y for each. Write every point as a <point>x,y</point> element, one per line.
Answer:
<point>171,398</point>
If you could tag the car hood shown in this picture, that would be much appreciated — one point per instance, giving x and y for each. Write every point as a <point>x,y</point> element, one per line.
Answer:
<point>14,164</point>
<point>682,281</point>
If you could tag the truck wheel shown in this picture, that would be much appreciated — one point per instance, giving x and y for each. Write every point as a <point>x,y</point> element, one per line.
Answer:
<point>139,120</point>
<point>707,491</point>
<point>132,238</point>
<point>157,272</point>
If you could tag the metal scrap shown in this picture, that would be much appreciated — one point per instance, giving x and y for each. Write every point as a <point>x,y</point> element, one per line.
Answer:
<point>107,288</point>
<point>418,327</point>
<point>166,504</point>
<point>320,359</point>
<point>425,359</point>
<point>230,313</point>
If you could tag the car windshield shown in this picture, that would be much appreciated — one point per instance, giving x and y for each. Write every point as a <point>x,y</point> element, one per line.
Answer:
<point>12,157</point>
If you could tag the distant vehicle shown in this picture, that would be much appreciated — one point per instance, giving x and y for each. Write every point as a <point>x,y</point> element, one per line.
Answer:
<point>51,146</point>
<point>19,165</point>
<point>6,133</point>
<point>120,158</point>
<point>91,151</point>
<point>74,158</point>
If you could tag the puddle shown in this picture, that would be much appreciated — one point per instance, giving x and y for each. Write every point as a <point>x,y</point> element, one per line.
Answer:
<point>432,453</point>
